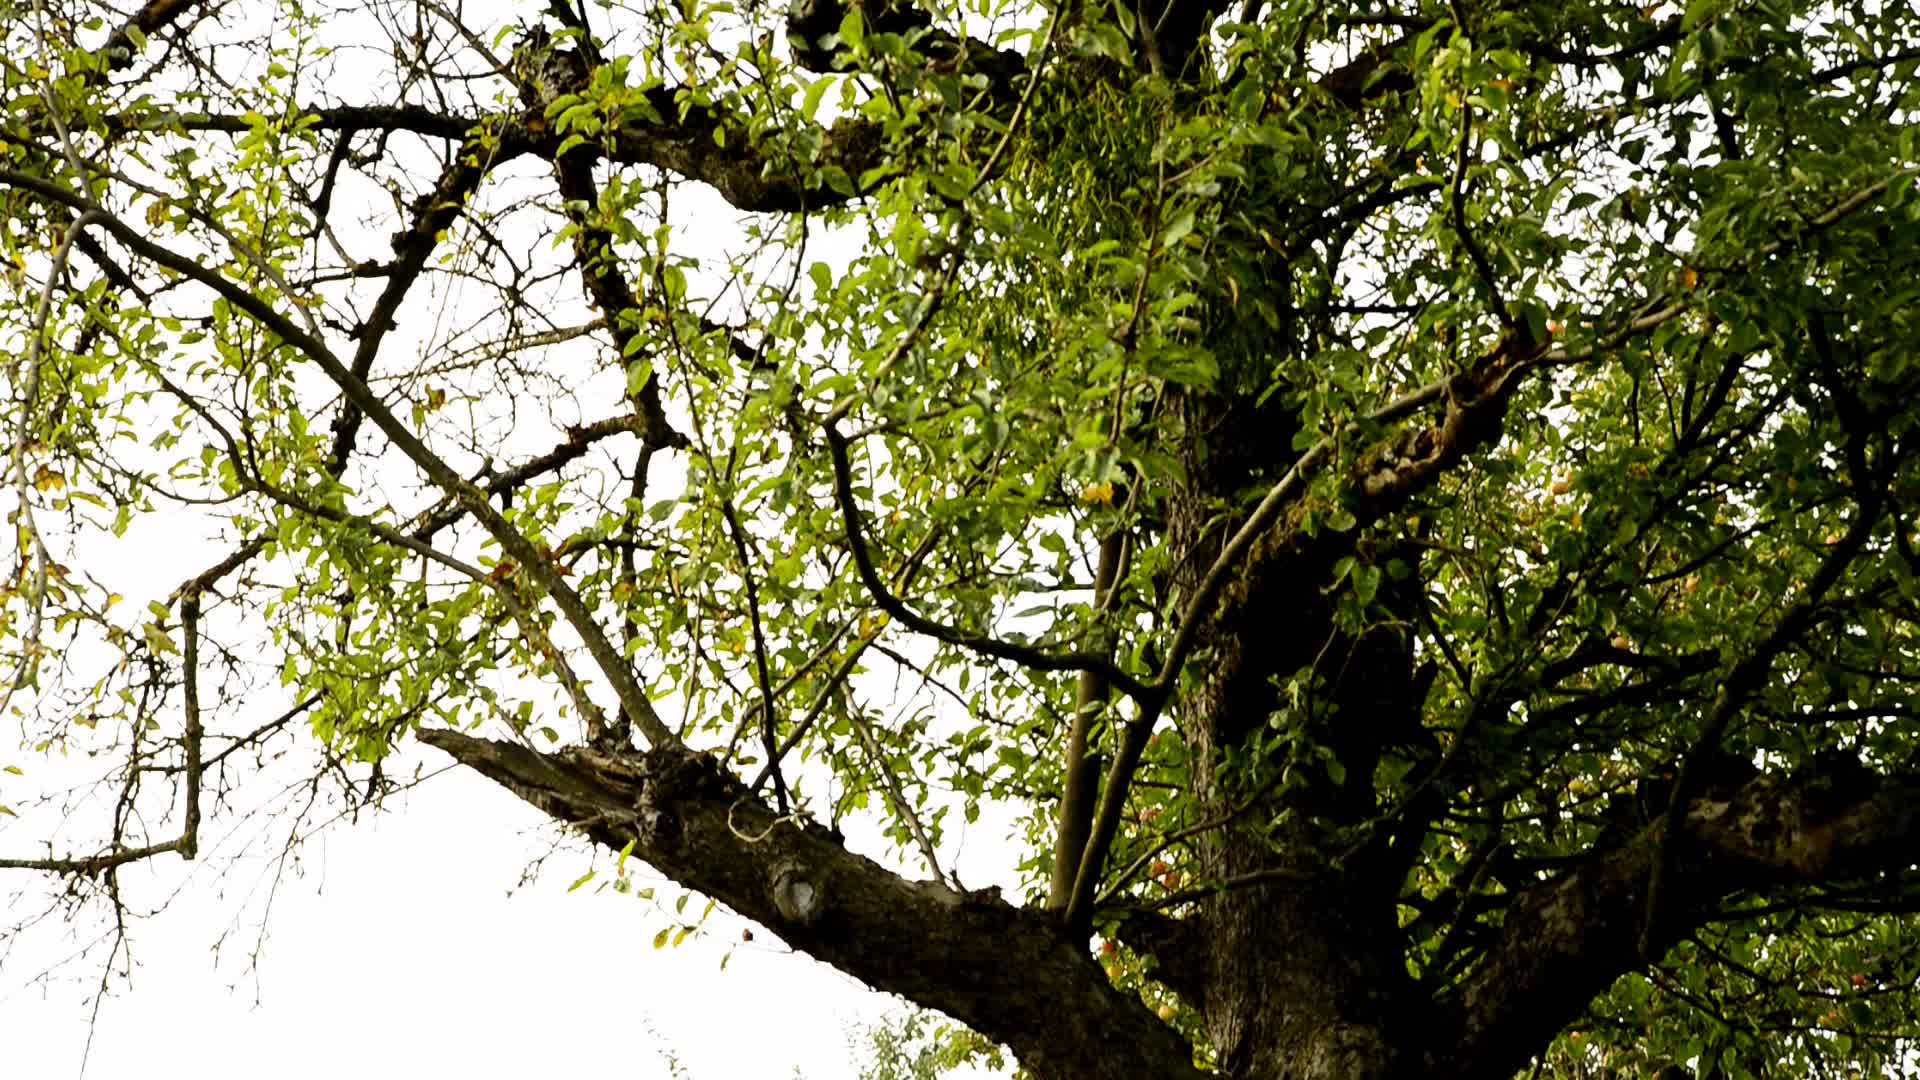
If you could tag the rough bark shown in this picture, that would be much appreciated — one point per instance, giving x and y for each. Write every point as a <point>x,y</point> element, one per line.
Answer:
<point>1567,939</point>
<point>1303,980</point>
<point>1008,972</point>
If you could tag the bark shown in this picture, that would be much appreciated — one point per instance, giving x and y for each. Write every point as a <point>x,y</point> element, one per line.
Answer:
<point>1305,977</point>
<point>1007,972</point>
<point>1301,979</point>
<point>1570,938</point>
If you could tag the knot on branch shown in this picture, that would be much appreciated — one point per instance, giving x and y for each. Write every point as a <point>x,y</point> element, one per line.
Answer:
<point>798,899</point>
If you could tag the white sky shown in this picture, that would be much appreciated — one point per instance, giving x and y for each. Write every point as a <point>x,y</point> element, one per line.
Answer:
<point>401,953</point>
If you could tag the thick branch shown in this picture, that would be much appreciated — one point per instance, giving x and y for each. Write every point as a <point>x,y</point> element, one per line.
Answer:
<point>434,213</point>
<point>346,119</point>
<point>693,141</point>
<point>151,17</point>
<point>580,439</point>
<point>752,177</point>
<point>1004,971</point>
<point>1177,946</point>
<point>1568,939</point>
<point>809,22</point>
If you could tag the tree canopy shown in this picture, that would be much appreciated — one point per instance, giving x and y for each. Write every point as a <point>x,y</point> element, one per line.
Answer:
<point>1411,501</point>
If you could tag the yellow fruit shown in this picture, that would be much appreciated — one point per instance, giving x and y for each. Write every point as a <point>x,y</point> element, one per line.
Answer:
<point>1097,495</point>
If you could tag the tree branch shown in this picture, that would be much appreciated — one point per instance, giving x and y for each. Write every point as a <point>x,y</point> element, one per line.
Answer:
<point>1079,789</point>
<point>1568,939</point>
<point>1001,970</point>
<point>633,698</point>
<point>1024,655</point>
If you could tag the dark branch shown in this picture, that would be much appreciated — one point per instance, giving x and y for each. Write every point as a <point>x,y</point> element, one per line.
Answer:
<point>1565,941</point>
<point>1002,970</point>
<point>1024,655</point>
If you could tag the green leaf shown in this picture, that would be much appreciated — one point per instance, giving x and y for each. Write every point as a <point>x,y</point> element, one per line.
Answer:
<point>810,100</point>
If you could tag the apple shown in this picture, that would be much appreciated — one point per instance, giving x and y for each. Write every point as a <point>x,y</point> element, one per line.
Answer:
<point>1109,947</point>
<point>1168,1012</point>
<point>1159,868</point>
<point>1622,642</point>
<point>1859,982</point>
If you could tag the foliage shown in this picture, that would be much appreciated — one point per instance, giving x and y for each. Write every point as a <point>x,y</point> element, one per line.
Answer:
<point>915,1045</point>
<point>1449,465</point>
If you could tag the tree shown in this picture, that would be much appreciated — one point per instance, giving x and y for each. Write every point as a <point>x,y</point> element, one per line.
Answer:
<point>1413,499</point>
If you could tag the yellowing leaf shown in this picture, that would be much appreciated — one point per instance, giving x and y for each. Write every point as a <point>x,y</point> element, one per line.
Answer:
<point>157,639</point>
